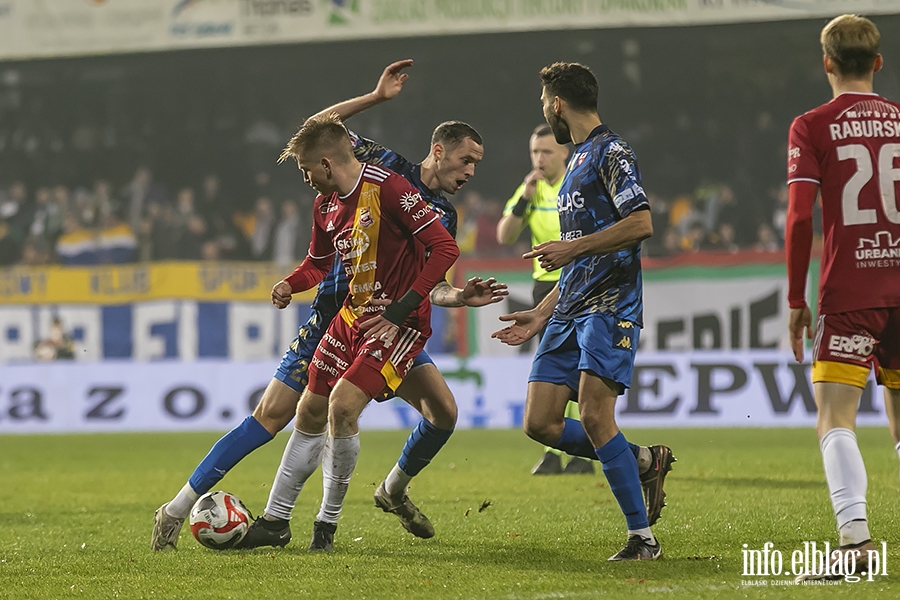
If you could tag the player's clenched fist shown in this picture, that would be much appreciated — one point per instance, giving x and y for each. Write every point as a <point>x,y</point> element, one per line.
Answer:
<point>281,294</point>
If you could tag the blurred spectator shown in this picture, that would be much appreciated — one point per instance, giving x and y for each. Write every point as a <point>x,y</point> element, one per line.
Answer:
<point>9,247</point>
<point>139,193</point>
<point>191,239</point>
<point>779,215</point>
<point>36,251</point>
<point>291,238</point>
<point>261,226</point>
<point>117,242</point>
<point>47,219</point>
<point>58,345</point>
<point>723,240</point>
<point>766,240</point>
<point>164,235</point>
<point>76,245</point>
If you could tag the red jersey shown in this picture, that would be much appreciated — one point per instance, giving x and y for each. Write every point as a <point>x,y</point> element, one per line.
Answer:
<point>850,148</point>
<point>380,231</point>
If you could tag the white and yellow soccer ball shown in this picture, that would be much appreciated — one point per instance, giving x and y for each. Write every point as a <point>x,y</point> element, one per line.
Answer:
<point>219,520</point>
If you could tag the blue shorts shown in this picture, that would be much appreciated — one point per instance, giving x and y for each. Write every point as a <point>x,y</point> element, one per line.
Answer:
<point>294,364</point>
<point>598,343</point>
<point>292,371</point>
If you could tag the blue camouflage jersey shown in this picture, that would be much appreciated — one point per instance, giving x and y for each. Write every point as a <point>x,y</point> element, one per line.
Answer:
<point>334,288</point>
<point>602,186</point>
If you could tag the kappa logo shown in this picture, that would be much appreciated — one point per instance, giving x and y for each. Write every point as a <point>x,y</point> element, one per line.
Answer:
<point>624,343</point>
<point>409,200</point>
<point>625,324</point>
<point>330,226</point>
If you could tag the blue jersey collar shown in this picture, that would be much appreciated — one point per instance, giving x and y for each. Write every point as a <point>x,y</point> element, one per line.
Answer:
<point>599,129</point>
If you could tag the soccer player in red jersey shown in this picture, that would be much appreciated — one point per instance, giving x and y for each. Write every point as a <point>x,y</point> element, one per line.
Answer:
<point>847,150</point>
<point>393,247</point>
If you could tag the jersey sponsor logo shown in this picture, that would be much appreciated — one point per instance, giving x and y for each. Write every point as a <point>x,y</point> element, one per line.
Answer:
<point>328,207</point>
<point>883,246</point>
<point>627,194</point>
<point>422,212</point>
<point>365,217</point>
<point>409,200</point>
<point>362,288</point>
<point>331,340</point>
<point>351,242</point>
<point>858,347</point>
<point>570,235</point>
<point>320,364</point>
<point>361,268</point>
<point>569,202</point>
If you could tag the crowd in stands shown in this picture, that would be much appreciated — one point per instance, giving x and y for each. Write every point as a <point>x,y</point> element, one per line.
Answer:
<point>144,220</point>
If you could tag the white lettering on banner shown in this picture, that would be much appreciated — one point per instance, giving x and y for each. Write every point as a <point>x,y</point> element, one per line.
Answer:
<point>720,389</point>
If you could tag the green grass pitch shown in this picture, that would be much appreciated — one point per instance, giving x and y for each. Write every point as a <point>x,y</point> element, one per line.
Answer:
<point>77,512</point>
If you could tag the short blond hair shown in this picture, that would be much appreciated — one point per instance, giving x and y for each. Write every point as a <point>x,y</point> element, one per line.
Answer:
<point>320,134</point>
<point>851,42</point>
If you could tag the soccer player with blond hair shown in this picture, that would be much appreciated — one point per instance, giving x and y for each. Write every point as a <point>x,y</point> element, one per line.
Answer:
<point>848,152</point>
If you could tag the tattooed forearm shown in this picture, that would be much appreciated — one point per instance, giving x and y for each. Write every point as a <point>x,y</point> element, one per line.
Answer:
<point>446,295</point>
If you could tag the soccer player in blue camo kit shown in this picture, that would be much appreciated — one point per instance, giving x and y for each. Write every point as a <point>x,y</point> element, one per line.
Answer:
<point>593,317</point>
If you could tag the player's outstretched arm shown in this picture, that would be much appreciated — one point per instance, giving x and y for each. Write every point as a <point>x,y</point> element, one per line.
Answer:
<point>478,292</point>
<point>389,85</point>
<point>527,323</point>
<point>634,228</point>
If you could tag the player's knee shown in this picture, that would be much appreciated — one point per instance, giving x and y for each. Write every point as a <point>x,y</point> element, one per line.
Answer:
<point>341,413</point>
<point>444,415</point>
<point>538,431</point>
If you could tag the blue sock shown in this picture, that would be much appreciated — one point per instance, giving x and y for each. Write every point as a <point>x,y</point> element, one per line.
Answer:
<point>621,470</point>
<point>421,446</point>
<point>227,452</point>
<point>574,440</point>
<point>635,449</point>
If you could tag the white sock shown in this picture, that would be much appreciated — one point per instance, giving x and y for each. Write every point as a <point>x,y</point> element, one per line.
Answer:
<point>396,481</point>
<point>181,505</point>
<point>301,457</point>
<point>644,459</point>
<point>897,449</point>
<point>644,533</point>
<point>855,532</point>
<point>338,464</point>
<point>846,475</point>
